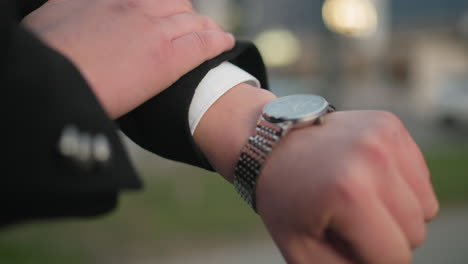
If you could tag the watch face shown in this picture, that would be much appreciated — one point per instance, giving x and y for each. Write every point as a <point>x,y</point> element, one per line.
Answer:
<point>295,107</point>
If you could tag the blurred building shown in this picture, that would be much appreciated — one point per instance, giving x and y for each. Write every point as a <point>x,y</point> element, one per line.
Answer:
<point>429,56</point>
<point>368,53</point>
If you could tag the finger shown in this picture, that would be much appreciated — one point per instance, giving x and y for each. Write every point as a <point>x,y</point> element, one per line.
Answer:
<point>307,250</point>
<point>182,24</point>
<point>49,2</point>
<point>413,166</point>
<point>372,232</point>
<point>164,8</point>
<point>195,48</point>
<point>404,206</point>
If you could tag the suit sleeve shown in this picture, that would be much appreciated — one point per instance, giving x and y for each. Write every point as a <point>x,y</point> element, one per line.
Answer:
<point>161,124</point>
<point>25,7</point>
<point>43,94</point>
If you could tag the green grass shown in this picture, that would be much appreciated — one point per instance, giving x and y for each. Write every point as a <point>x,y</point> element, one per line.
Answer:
<point>449,173</point>
<point>39,254</point>
<point>180,210</point>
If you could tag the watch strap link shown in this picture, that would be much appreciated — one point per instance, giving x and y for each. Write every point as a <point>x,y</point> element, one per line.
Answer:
<point>251,160</point>
<point>255,152</point>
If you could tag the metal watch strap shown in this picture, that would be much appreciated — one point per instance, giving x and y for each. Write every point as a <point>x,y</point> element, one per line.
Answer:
<point>252,158</point>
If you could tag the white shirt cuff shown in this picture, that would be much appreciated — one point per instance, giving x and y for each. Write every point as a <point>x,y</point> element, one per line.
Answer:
<point>217,82</point>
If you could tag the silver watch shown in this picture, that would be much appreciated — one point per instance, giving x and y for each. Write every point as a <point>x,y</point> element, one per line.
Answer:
<point>278,118</point>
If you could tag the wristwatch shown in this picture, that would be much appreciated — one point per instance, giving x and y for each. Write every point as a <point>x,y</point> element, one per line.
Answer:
<point>278,118</point>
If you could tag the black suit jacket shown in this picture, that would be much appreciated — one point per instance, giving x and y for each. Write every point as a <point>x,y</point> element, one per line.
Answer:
<point>44,94</point>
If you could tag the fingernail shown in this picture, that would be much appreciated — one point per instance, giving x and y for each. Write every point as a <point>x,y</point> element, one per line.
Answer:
<point>232,36</point>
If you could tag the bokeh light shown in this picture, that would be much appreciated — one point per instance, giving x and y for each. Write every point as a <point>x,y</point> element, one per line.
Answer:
<point>354,18</point>
<point>279,47</point>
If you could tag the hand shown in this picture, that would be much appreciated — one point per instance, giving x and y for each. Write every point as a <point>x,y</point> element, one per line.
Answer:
<point>129,50</point>
<point>353,190</point>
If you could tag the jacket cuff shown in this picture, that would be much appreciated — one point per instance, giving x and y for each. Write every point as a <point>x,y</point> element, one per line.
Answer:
<point>161,124</point>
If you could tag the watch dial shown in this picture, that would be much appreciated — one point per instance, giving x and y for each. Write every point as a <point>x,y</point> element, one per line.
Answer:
<point>296,107</point>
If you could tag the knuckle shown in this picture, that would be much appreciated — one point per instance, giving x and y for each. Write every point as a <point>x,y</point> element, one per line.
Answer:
<point>384,131</point>
<point>187,4</point>
<point>209,23</point>
<point>390,122</point>
<point>351,189</point>
<point>200,40</point>
<point>371,151</point>
<point>128,4</point>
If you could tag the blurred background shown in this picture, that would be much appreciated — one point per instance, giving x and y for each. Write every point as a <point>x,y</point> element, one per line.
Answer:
<point>406,56</point>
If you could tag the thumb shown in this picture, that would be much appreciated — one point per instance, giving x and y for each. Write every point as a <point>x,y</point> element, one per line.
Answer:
<point>197,47</point>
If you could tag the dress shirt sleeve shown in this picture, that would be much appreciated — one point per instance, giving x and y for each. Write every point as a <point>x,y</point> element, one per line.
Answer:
<point>216,83</point>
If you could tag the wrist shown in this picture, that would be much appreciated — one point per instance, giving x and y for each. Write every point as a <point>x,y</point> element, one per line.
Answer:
<point>279,117</point>
<point>226,126</point>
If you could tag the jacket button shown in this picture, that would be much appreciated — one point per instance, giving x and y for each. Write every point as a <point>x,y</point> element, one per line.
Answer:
<point>101,148</point>
<point>83,149</point>
<point>84,155</point>
<point>69,143</point>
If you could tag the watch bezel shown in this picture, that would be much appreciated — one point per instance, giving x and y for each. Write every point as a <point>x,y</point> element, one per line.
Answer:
<point>310,117</point>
